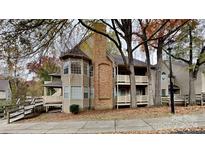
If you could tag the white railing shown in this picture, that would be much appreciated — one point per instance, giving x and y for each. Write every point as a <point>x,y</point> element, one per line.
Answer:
<point>126,98</point>
<point>126,79</point>
<point>141,79</point>
<point>142,98</point>
<point>52,99</point>
<point>46,82</point>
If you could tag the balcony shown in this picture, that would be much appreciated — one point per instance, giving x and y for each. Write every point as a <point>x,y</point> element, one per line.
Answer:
<point>125,80</point>
<point>126,98</point>
<point>52,100</point>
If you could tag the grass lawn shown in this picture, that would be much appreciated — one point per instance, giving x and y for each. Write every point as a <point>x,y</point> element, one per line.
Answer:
<point>142,112</point>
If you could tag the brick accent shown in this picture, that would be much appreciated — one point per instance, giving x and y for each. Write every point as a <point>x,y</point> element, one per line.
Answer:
<point>103,83</point>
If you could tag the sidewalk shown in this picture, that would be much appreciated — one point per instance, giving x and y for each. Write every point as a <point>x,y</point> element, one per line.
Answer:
<point>111,126</point>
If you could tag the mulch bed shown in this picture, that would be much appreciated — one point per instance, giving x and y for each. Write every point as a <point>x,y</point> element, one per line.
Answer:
<point>145,112</point>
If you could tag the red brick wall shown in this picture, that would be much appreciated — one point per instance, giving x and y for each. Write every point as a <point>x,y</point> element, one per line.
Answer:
<point>103,83</point>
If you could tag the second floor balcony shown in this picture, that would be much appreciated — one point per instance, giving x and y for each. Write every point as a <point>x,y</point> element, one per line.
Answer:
<point>125,80</point>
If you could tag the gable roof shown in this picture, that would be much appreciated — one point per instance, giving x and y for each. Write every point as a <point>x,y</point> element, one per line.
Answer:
<point>4,84</point>
<point>75,52</point>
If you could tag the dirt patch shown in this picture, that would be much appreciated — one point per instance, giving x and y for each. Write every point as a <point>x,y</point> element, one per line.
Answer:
<point>145,112</point>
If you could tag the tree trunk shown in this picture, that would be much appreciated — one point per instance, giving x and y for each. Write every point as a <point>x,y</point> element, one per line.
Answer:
<point>158,74</point>
<point>192,96</point>
<point>150,86</point>
<point>128,38</point>
<point>132,80</point>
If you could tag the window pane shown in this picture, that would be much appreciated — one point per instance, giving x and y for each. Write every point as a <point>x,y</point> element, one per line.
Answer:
<point>66,92</point>
<point>66,68</point>
<point>85,68</point>
<point>92,93</point>
<point>76,92</point>
<point>91,70</point>
<point>75,67</point>
<point>86,92</point>
<point>163,92</point>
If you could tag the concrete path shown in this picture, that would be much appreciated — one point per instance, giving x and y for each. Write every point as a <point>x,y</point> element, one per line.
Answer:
<point>110,126</point>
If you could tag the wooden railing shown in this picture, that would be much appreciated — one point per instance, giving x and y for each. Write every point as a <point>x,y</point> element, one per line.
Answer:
<point>126,79</point>
<point>126,98</point>
<point>52,100</point>
<point>22,110</point>
<point>142,98</point>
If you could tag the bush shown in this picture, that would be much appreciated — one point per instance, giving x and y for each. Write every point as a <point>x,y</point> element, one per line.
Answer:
<point>74,109</point>
<point>1,110</point>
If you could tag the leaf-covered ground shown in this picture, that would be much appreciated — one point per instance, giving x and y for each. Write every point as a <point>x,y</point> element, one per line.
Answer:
<point>193,130</point>
<point>142,112</point>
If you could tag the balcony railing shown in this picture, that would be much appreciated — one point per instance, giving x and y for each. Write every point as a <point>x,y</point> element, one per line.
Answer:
<point>46,82</point>
<point>126,98</point>
<point>138,79</point>
<point>52,99</point>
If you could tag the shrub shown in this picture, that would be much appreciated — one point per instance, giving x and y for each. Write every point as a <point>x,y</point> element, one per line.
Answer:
<point>1,110</point>
<point>74,109</point>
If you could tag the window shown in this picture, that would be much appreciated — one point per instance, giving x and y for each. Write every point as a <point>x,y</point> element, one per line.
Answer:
<point>66,68</point>
<point>91,70</point>
<point>66,92</point>
<point>163,92</point>
<point>177,91</point>
<point>76,92</point>
<point>85,68</point>
<point>76,67</point>
<point>86,95</point>
<point>92,93</point>
<point>163,75</point>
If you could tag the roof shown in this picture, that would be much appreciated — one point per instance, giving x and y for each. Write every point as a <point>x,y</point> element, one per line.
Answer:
<point>55,84</point>
<point>55,74</point>
<point>76,52</point>
<point>4,84</point>
<point>119,61</point>
<point>182,64</point>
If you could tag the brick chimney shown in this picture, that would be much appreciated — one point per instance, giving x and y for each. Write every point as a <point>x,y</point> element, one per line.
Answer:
<point>103,77</point>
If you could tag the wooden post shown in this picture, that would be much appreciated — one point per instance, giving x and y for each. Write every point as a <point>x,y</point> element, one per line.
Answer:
<point>5,112</point>
<point>8,117</point>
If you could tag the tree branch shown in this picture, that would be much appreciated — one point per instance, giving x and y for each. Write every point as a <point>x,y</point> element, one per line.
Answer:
<point>175,57</point>
<point>150,38</point>
<point>99,32</point>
